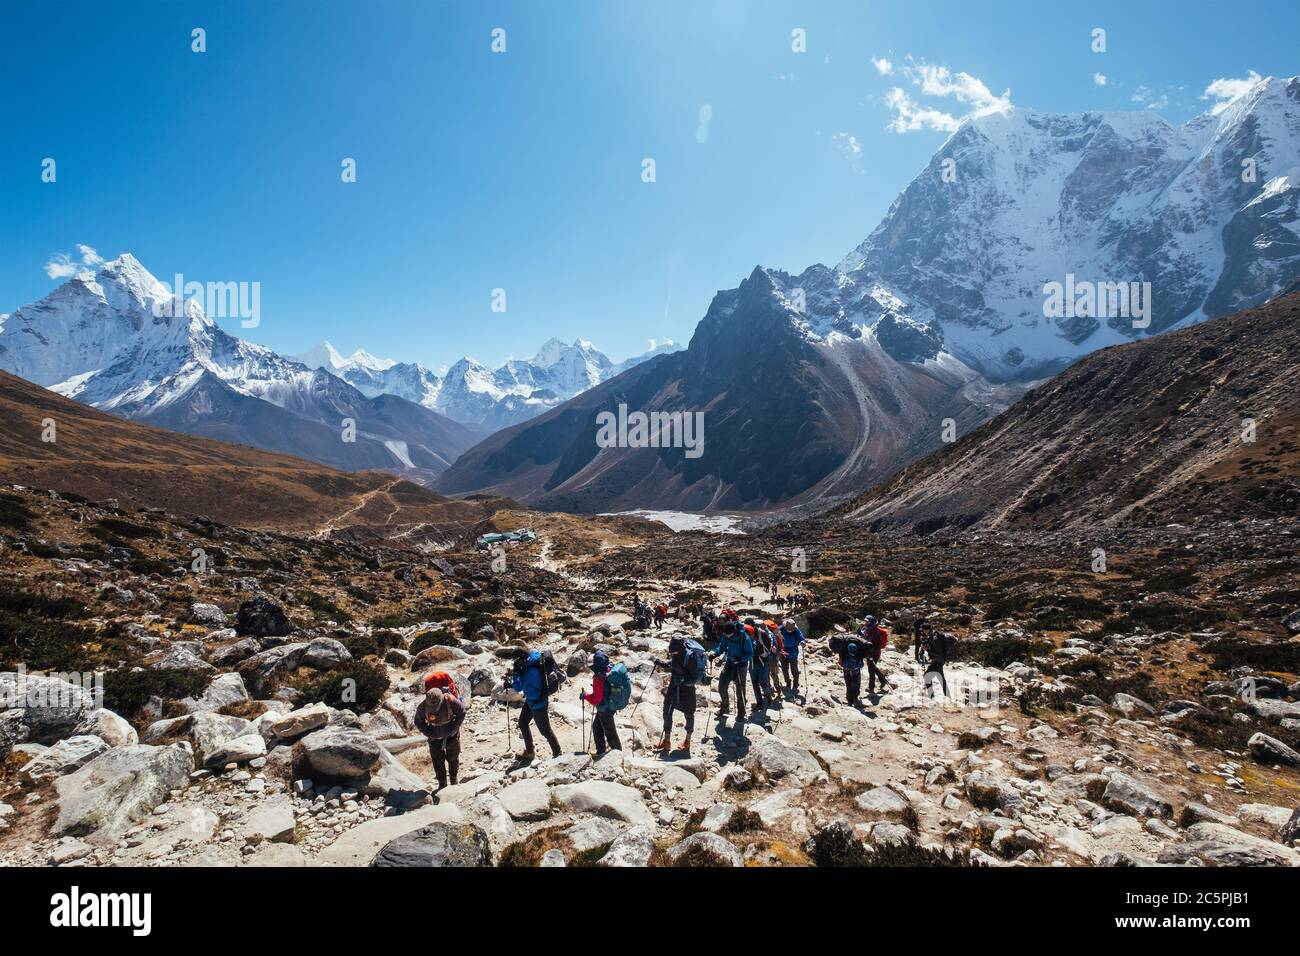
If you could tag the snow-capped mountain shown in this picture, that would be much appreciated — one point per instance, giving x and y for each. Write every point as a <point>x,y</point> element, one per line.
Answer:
<point>940,313</point>
<point>473,393</point>
<point>118,340</point>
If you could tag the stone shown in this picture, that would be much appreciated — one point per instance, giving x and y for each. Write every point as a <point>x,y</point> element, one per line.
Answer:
<point>270,822</point>
<point>223,691</point>
<point>717,817</point>
<point>482,682</point>
<point>209,732</point>
<point>208,615</point>
<point>240,749</point>
<point>1128,705</point>
<point>883,803</point>
<point>891,834</point>
<point>712,845</point>
<point>391,780</point>
<point>63,757</point>
<point>1270,750</point>
<point>591,832</point>
<point>1125,795</point>
<point>604,798</point>
<point>325,653</point>
<point>49,708</point>
<point>527,800</point>
<point>1290,832</point>
<point>773,758</point>
<point>120,787</point>
<point>294,724</point>
<point>552,858</point>
<point>1265,814</point>
<point>337,752</point>
<point>631,848</point>
<point>108,727</point>
<point>1217,845</point>
<point>262,617</point>
<point>438,844</point>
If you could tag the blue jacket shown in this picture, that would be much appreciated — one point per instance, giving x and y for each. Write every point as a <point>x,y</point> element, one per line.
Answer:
<point>792,642</point>
<point>738,647</point>
<point>529,683</point>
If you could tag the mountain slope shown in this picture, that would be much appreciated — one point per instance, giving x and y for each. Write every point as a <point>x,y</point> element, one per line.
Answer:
<point>800,419</point>
<point>102,456</point>
<point>1149,431</point>
<point>118,340</point>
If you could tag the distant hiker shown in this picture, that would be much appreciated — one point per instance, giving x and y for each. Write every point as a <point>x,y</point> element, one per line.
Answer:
<point>709,626</point>
<point>760,663</point>
<point>439,717</point>
<point>791,639</point>
<point>661,612</point>
<point>736,649</point>
<point>875,637</point>
<point>687,668</point>
<point>942,648</point>
<point>606,700</point>
<point>536,676</point>
<point>853,651</point>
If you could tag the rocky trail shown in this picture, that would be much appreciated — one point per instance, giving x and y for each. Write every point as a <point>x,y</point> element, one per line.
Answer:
<point>261,714</point>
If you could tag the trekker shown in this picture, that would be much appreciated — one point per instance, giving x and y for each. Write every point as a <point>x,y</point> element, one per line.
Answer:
<point>874,636</point>
<point>921,631</point>
<point>939,647</point>
<point>603,728</point>
<point>679,689</point>
<point>759,663</point>
<point>531,674</point>
<point>661,612</point>
<point>791,639</point>
<point>737,649</point>
<point>439,717</point>
<point>773,638</point>
<point>853,653</point>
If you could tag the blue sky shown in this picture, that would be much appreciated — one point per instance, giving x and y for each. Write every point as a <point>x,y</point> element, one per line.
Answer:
<point>522,170</point>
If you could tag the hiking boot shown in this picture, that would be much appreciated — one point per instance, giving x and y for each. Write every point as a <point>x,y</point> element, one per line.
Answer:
<point>686,744</point>
<point>526,756</point>
<point>442,783</point>
<point>663,745</point>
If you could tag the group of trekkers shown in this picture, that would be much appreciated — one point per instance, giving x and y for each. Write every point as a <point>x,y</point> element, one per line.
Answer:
<point>644,615</point>
<point>755,654</point>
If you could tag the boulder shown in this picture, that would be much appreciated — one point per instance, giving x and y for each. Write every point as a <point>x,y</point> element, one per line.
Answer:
<point>773,758</point>
<point>240,749</point>
<point>1125,795</point>
<point>118,788</point>
<point>284,727</point>
<point>632,847</point>
<point>50,708</point>
<point>270,822</point>
<point>1290,832</point>
<point>208,615</point>
<point>228,655</point>
<point>527,800</point>
<point>391,780</point>
<point>262,617</point>
<point>883,803</point>
<point>1217,845</point>
<point>325,653</point>
<point>1131,706</point>
<point>1266,749</point>
<point>605,799</point>
<point>257,669</point>
<point>63,757</point>
<point>209,732</point>
<point>223,691</point>
<point>712,846</point>
<point>109,727</point>
<point>337,752</point>
<point>438,844</point>
<point>592,832</point>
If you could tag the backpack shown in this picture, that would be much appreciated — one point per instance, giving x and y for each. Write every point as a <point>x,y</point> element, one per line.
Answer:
<point>618,686</point>
<point>442,680</point>
<point>552,676</point>
<point>837,644</point>
<point>949,644</point>
<point>697,662</point>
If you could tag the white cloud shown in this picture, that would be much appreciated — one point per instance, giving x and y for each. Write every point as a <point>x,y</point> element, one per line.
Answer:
<point>1149,98</point>
<point>63,266</point>
<point>849,145</point>
<point>882,65</point>
<point>940,82</point>
<point>1224,90</point>
<point>911,116</point>
<point>1099,79</point>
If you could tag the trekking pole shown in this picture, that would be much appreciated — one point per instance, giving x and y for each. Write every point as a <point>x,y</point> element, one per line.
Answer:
<point>584,725</point>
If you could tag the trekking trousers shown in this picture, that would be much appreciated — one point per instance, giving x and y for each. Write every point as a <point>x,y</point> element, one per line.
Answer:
<point>872,673</point>
<point>758,675</point>
<point>733,672</point>
<point>445,754</point>
<point>936,667</point>
<point>852,685</point>
<point>774,673</point>
<point>679,697</point>
<point>790,669</point>
<point>542,718</point>
<point>603,730</point>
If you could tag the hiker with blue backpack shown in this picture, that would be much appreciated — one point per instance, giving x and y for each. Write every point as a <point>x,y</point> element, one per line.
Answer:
<point>687,667</point>
<point>611,689</point>
<point>536,676</point>
<point>737,650</point>
<point>791,639</point>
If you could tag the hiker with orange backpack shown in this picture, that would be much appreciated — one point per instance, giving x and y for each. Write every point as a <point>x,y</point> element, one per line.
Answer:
<point>601,697</point>
<point>439,717</point>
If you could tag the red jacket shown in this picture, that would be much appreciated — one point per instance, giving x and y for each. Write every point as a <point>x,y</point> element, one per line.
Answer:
<point>597,693</point>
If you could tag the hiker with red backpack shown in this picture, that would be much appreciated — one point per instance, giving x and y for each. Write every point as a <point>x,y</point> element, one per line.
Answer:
<point>760,663</point>
<point>537,677</point>
<point>875,637</point>
<point>610,691</point>
<point>687,667</point>
<point>439,717</point>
